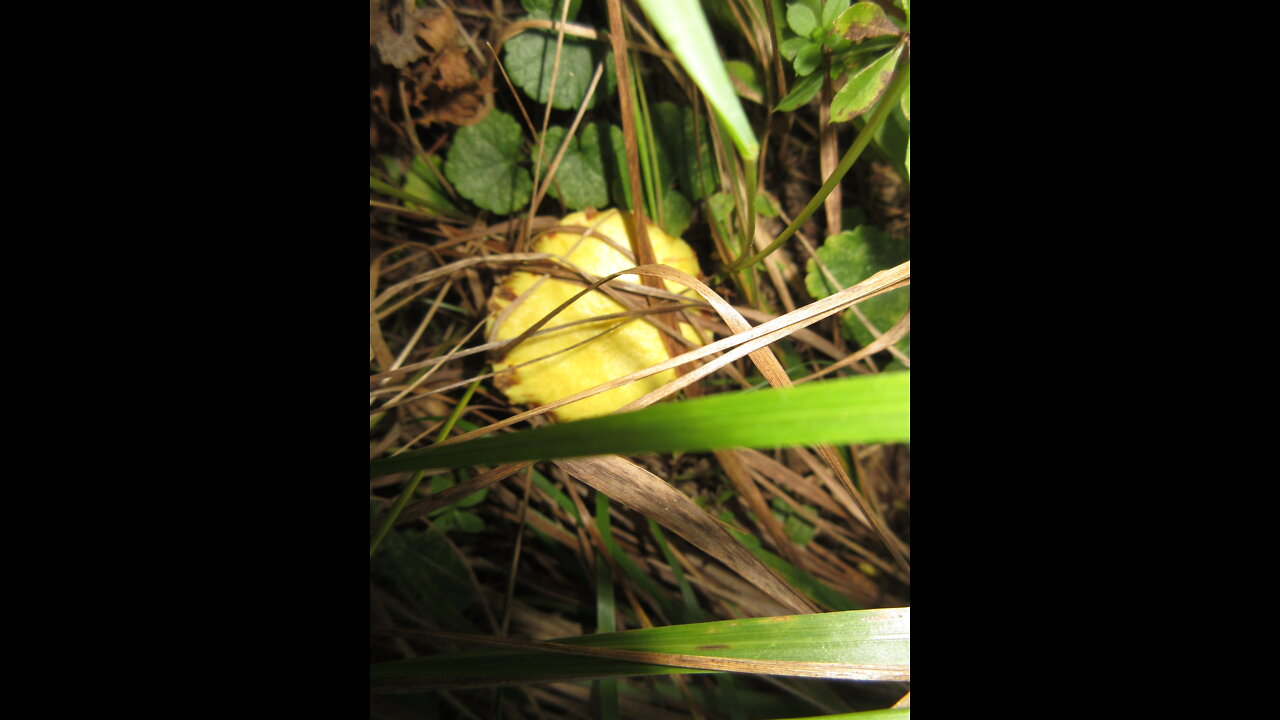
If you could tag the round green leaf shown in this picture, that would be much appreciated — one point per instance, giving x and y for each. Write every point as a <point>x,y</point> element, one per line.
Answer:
<point>676,212</point>
<point>580,180</point>
<point>853,256</point>
<point>481,164</point>
<point>530,58</point>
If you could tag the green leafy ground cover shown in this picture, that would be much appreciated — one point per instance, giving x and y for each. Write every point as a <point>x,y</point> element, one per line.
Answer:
<point>726,123</point>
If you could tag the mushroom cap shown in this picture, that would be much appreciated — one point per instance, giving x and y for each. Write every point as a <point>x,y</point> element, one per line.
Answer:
<point>630,344</point>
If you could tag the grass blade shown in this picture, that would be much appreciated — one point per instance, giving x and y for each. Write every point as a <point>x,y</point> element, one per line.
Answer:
<point>684,28</point>
<point>605,612</point>
<point>658,500</point>
<point>859,645</point>
<point>886,714</point>
<point>863,409</point>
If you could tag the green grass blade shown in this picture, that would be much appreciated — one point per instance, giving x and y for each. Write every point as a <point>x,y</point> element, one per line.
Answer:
<point>393,191</point>
<point>692,610</point>
<point>858,644</point>
<point>862,409</point>
<point>803,581</point>
<point>684,28</point>
<point>606,615</point>
<point>412,487</point>
<point>886,714</point>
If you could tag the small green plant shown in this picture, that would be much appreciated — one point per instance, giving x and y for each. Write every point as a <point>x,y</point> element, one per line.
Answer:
<point>456,515</point>
<point>488,165</point>
<point>424,181</point>
<point>799,530</point>
<point>851,257</point>
<point>836,39</point>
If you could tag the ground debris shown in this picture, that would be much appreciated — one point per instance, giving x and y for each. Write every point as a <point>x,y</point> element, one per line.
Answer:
<point>425,46</point>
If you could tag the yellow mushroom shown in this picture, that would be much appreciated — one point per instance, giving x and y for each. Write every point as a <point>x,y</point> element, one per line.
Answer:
<point>634,345</point>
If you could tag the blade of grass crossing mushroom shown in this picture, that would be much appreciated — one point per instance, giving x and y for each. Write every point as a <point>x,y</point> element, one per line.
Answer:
<point>859,409</point>
<point>777,376</point>
<point>773,371</point>
<point>743,343</point>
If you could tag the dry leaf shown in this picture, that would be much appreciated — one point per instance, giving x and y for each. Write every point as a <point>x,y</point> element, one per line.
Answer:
<point>439,28</point>
<point>452,69</point>
<point>655,498</point>
<point>399,48</point>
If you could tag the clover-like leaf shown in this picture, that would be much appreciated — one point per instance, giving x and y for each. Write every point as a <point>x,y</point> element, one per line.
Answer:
<point>864,88</point>
<point>580,180</point>
<point>853,256</point>
<point>481,164</point>
<point>531,56</point>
